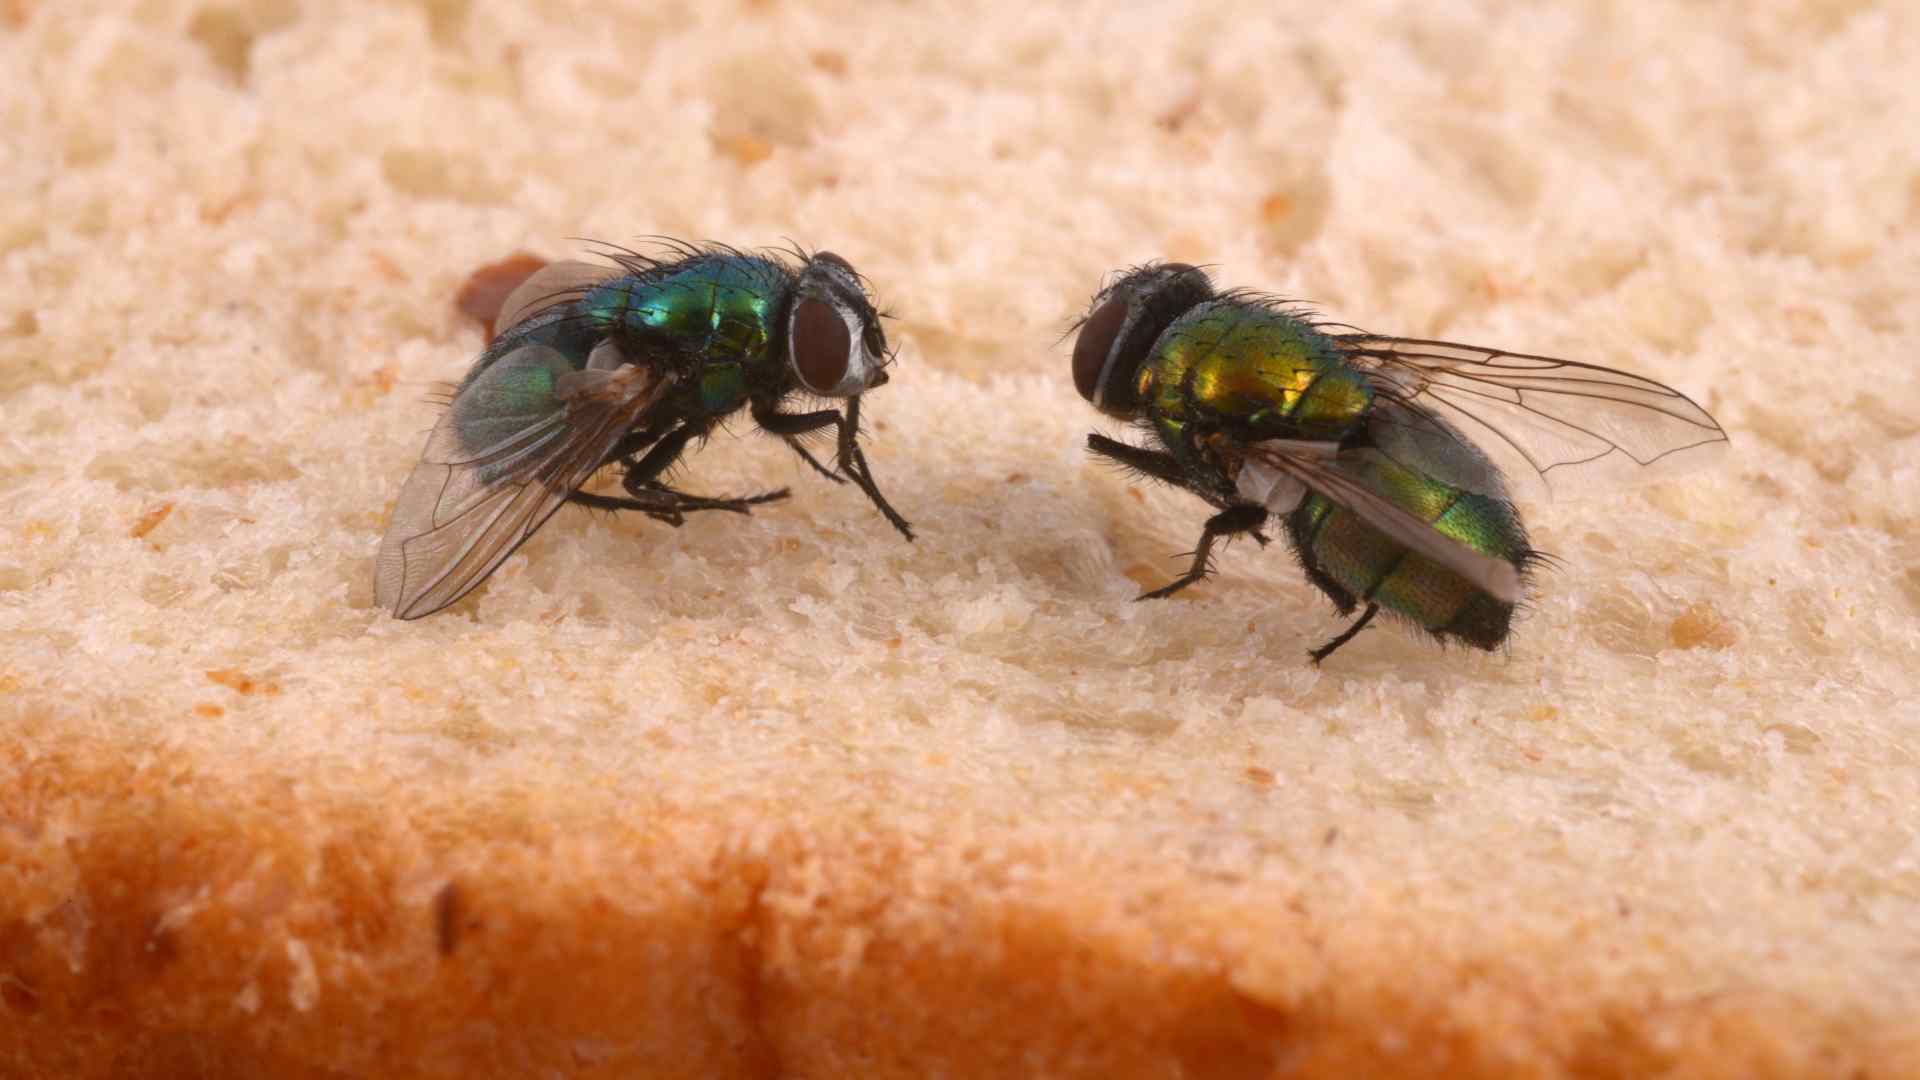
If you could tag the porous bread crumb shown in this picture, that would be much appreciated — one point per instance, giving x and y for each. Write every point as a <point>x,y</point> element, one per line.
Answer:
<point>787,795</point>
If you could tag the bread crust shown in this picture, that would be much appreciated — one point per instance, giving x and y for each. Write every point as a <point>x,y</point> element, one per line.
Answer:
<point>167,917</point>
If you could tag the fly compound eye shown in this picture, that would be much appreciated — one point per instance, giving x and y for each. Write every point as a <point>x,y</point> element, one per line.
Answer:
<point>1116,340</point>
<point>819,345</point>
<point>1094,347</point>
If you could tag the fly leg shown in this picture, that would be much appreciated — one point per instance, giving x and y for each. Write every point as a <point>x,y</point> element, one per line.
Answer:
<point>647,494</point>
<point>1155,464</point>
<point>1160,465</point>
<point>848,457</point>
<point>1235,519</point>
<point>853,461</point>
<point>670,506</point>
<point>633,442</point>
<point>1346,635</point>
<point>792,426</point>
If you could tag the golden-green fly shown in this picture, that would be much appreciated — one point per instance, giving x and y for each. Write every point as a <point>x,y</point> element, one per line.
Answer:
<point>1389,462</point>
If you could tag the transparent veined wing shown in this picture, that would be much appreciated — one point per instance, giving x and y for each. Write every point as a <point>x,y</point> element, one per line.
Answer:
<point>1285,467</point>
<point>517,439</point>
<point>1555,427</point>
<point>556,283</point>
<point>1419,440</point>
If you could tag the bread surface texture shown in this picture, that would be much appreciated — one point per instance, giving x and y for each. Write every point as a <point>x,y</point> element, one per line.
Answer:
<point>785,795</point>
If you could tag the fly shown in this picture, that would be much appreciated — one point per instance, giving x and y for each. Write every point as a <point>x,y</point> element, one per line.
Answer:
<point>1386,461</point>
<point>630,364</point>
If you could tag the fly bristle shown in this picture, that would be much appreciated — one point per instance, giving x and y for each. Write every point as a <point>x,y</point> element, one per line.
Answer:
<point>790,246</point>
<point>1328,324</point>
<point>815,437</point>
<point>1279,305</point>
<point>673,252</point>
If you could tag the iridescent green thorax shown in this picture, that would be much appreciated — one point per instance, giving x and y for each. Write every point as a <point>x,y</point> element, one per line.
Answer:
<point>1355,562</point>
<point>719,307</point>
<point>718,313</point>
<point>1260,373</point>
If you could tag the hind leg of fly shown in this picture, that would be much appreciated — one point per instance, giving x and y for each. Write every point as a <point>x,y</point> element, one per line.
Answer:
<point>1320,654</point>
<point>670,506</point>
<point>647,494</point>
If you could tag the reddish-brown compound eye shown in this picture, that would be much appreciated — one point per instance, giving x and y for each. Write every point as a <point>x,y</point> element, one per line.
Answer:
<point>1095,344</point>
<point>818,343</point>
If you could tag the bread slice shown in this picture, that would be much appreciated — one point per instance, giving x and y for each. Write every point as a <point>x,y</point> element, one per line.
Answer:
<point>786,795</point>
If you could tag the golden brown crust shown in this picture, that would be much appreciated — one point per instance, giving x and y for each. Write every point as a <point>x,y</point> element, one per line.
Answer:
<point>161,918</point>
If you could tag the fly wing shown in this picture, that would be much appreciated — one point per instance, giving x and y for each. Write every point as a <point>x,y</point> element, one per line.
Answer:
<point>1417,439</point>
<point>1558,427</point>
<point>551,285</point>
<point>517,440</point>
<point>1322,473</point>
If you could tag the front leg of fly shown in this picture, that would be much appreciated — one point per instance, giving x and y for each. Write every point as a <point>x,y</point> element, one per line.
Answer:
<point>848,457</point>
<point>793,427</point>
<point>1155,464</point>
<point>1205,481</point>
<point>853,461</point>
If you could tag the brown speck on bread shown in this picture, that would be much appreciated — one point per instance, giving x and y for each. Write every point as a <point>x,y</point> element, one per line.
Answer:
<point>150,520</point>
<point>449,916</point>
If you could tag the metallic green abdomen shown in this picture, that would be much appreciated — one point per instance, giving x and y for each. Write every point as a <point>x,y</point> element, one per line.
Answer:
<point>1261,372</point>
<point>1353,562</point>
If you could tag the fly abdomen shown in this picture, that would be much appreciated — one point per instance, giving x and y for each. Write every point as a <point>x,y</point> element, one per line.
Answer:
<point>1354,562</point>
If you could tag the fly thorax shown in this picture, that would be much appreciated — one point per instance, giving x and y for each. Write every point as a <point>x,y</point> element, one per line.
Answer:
<point>722,387</point>
<point>1336,401</point>
<point>616,307</point>
<point>1172,431</point>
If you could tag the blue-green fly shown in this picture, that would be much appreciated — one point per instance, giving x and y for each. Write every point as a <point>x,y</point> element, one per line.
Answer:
<point>1388,461</point>
<point>630,364</point>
